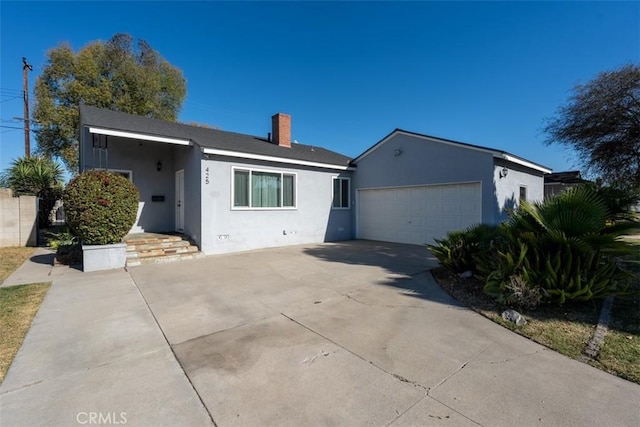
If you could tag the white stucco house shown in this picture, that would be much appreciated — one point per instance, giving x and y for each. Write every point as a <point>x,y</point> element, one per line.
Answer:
<point>231,192</point>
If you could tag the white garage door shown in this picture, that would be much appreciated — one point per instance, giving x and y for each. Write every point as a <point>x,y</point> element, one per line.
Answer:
<point>417,215</point>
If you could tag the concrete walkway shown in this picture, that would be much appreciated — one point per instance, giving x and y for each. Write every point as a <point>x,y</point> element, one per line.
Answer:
<point>36,269</point>
<point>353,333</point>
<point>95,355</point>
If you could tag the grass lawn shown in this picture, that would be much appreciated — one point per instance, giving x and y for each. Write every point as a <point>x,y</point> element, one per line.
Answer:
<point>18,305</point>
<point>11,258</point>
<point>566,329</point>
<point>620,353</point>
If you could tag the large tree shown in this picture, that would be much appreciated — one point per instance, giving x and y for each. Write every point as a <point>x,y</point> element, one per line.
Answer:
<point>118,74</point>
<point>601,122</point>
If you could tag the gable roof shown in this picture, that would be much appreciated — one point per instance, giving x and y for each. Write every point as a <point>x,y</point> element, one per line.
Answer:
<point>212,141</point>
<point>496,153</point>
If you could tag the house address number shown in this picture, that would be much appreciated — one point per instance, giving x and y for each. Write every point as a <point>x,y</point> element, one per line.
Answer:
<point>206,176</point>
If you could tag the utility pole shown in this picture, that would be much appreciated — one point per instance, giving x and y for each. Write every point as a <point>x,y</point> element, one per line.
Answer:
<point>26,67</point>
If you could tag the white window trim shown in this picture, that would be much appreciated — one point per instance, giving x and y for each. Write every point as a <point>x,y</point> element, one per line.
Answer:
<point>251,208</point>
<point>129,171</point>
<point>348,198</point>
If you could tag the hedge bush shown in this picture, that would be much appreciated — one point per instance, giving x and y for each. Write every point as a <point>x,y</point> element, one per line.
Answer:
<point>456,251</point>
<point>100,207</point>
<point>564,249</point>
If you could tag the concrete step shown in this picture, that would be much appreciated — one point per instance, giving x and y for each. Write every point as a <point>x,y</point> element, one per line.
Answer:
<point>162,251</point>
<point>160,244</point>
<point>154,248</point>
<point>142,239</point>
<point>132,262</point>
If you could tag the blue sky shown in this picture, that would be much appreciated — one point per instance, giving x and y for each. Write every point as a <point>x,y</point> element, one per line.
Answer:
<point>348,73</point>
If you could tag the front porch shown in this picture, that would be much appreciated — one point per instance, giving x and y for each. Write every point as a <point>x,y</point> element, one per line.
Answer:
<point>166,172</point>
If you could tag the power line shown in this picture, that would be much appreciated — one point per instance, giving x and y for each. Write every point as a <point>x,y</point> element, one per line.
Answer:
<point>10,99</point>
<point>6,89</point>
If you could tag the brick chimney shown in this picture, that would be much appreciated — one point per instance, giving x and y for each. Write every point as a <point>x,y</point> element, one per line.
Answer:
<point>281,126</point>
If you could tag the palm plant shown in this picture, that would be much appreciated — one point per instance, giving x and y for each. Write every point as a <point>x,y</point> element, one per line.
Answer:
<point>565,247</point>
<point>36,176</point>
<point>581,217</point>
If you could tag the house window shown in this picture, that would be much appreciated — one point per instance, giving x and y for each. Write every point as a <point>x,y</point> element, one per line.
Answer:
<point>122,172</point>
<point>523,193</point>
<point>341,193</point>
<point>258,189</point>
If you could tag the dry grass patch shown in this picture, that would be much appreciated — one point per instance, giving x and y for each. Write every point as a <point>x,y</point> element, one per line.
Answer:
<point>11,258</point>
<point>566,329</point>
<point>18,306</point>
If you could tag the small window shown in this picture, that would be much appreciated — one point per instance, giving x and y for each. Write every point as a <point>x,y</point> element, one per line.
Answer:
<point>263,189</point>
<point>341,193</point>
<point>523,193</point>
<point>122,172</point>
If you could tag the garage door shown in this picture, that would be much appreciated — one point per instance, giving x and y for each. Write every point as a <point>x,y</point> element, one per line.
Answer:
<point>417,215</point>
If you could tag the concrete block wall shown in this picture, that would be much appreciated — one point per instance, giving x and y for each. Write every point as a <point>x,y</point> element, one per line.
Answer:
<point>18,221</point>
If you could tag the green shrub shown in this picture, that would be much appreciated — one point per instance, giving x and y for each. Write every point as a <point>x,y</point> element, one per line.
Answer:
<point>558,274</point>
<point>100,207</point>
<point>564,249</point>
<point>67,246</point>
<point>456,252</point>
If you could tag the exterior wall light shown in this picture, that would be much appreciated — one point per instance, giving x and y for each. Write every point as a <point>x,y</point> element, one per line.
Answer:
<point>397,152</point>
<point>159,166</point>
<point>504,172</point>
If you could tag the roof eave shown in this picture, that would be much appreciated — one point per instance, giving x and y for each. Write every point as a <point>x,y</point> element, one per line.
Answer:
<point>138,135</point>
<point>251,156</point>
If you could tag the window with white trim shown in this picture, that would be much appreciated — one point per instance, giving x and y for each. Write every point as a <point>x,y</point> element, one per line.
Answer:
<point>260,189</point>
<point>341,191</point>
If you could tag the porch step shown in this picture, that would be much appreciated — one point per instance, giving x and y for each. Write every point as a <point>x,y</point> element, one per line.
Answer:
<point>160,259</point>
<point>152,248</point>
<point>157,245</point>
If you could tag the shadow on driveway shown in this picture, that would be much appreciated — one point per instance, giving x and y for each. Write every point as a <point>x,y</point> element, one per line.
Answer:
<point>403,265</point>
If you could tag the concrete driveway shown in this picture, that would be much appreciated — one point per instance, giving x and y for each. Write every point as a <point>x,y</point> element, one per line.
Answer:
<point>358,333</point>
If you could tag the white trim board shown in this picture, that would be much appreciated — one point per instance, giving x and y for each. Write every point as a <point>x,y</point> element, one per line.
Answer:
<point>240,155</point>
<point>142,136</point>
<point>522,162</point>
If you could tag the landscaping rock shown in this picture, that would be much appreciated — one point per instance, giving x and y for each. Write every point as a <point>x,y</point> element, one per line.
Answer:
<point>467,274</point>
<point>514,317</point>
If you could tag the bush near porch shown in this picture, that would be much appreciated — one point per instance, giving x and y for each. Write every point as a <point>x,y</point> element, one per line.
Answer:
<point>101,207</point>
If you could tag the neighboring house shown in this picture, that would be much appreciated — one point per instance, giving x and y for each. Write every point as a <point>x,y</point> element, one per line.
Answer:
<point>559,182</point>
<point>231,192</point>
<point>412,188</point>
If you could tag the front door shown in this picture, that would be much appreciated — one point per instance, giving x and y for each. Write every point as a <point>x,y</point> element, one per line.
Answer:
<point>180,200</point>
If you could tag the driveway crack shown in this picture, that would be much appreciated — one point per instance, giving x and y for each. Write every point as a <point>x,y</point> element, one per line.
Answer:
<point>175,356</point>
<point>396,376</point>
<point>448,377</point>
